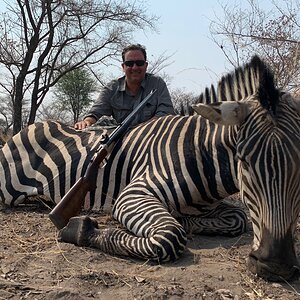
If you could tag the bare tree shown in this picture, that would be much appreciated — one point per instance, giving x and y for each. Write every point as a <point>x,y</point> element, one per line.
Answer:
<point>157,65</point>
<point>5,114</point>
<point>40,41</point>
<point>273,34</point>
<point>53,111</point>
<point>182,100</point>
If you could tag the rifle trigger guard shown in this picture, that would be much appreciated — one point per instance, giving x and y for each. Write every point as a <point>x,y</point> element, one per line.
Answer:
<point>104,138</point>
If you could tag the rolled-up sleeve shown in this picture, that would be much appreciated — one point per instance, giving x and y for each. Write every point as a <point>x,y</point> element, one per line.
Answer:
<point>102,106</point>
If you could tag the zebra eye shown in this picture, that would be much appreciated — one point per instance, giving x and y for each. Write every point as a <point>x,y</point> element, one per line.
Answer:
<point>243,162</point>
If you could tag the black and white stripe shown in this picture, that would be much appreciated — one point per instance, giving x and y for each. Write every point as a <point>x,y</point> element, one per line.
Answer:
<point>169,175</point>
<point>46,158</point>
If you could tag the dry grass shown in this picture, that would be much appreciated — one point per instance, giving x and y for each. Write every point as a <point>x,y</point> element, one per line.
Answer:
<point>35,265</point>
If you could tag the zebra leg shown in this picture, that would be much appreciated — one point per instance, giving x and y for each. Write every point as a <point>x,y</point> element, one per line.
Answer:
<point>225,219</point>
<point>152,233</point>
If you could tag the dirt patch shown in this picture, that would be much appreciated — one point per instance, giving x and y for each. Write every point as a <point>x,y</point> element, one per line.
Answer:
<point>34,265</point>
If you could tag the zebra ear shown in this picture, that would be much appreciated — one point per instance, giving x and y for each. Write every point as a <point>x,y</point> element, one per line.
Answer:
<point>224,113</point>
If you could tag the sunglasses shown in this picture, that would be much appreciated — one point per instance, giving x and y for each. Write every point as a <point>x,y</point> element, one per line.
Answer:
<point>130,63</point>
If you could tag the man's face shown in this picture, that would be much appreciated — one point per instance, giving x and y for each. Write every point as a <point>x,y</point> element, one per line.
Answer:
<point>134,73</point>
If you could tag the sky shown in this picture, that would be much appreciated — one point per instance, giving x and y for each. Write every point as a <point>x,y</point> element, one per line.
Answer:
<point>183,32</point>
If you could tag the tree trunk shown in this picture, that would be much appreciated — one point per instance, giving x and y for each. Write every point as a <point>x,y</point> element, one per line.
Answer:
<point>17,109</point>
<point>32,114</point>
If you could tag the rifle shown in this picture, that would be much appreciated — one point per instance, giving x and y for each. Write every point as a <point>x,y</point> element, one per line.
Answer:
<point>72,202</point>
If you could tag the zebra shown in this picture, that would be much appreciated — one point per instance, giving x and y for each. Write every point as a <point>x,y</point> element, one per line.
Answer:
<point>168,177</point>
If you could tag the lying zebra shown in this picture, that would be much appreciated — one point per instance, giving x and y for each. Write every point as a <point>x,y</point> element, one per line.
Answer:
<point>168,176</point>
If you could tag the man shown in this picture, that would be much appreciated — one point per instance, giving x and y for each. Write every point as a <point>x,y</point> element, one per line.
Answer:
<point>122,95</point>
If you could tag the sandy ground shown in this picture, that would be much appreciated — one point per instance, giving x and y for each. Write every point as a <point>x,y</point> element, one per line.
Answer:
<point>35,265</point>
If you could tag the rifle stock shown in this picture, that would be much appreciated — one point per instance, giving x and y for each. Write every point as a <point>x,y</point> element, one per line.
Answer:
<point>71,204</point>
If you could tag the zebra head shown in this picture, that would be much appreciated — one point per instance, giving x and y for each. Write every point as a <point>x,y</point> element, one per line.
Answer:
<point>266,124</point>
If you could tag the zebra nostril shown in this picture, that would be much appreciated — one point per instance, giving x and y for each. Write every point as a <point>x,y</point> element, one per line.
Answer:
<point>270,270</point>
<point>295,273</point>
<point>292,275</point>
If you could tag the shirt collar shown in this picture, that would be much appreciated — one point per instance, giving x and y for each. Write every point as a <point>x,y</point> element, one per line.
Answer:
<point>122,83</point>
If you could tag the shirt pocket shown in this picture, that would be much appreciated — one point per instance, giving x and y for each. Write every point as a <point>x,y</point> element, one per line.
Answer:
<point>148,111</point>
<point>120,111</point>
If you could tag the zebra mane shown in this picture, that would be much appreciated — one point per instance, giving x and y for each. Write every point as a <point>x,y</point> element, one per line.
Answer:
<point>253,78</point>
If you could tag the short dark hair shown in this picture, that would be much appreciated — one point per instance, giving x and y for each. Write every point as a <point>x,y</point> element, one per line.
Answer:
<point>134,47</point>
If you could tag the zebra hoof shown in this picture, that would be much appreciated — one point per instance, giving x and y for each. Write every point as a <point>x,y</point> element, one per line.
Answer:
<point>79,231</point>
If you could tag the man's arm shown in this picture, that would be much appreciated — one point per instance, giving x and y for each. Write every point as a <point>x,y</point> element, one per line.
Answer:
<point>164,105</point>
<point>101,107</point>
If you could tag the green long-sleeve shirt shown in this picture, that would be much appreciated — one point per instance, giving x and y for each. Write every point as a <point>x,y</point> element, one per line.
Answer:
<point>116,102</point>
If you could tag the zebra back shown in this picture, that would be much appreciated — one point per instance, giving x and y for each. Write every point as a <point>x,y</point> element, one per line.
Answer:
<point>45,158</point>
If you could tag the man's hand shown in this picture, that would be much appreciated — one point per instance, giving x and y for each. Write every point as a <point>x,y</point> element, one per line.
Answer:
<point>88,121</point>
